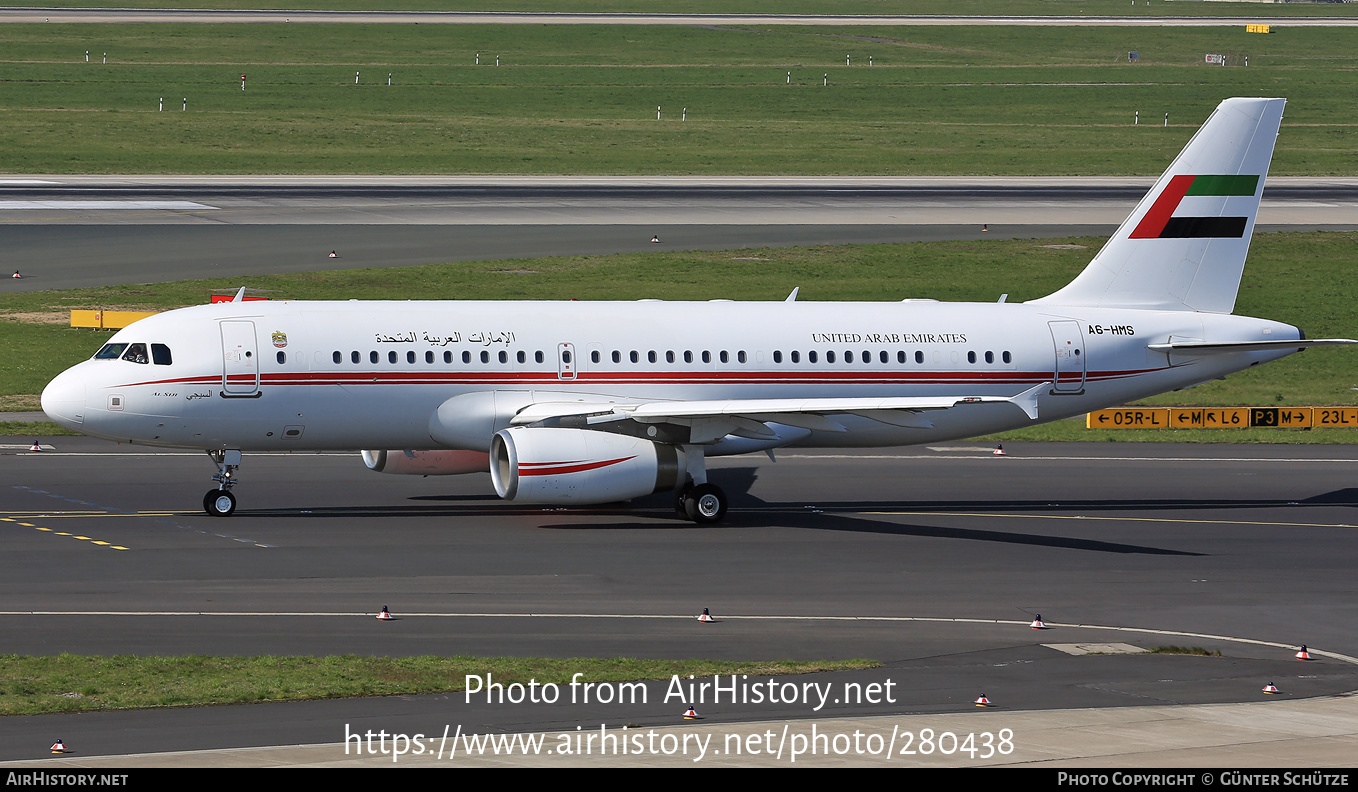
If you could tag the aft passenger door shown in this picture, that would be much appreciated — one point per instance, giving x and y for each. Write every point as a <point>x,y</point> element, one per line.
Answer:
<point>240,361</point>
<point>1068,342</point>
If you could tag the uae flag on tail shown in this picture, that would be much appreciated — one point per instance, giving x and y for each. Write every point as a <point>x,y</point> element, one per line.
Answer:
<point>1182,195</point>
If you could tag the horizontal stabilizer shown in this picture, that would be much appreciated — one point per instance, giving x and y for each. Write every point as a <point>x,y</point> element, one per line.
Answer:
<point>1209,348</point>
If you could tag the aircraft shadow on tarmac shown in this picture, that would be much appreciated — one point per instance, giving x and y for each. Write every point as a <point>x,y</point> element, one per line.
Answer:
<point>750,511</point>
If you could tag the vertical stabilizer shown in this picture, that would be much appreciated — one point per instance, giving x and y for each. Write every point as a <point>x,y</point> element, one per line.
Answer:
<point>1184,246</point>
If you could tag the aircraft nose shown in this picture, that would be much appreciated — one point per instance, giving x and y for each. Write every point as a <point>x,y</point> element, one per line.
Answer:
<point>64,399</point>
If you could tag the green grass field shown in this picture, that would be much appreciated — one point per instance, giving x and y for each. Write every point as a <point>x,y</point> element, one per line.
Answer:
<point>75,683</point>
<point>873,7</point>
<point>582,99</point>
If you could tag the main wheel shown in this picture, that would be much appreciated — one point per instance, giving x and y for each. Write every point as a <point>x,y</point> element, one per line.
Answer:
<point>219,503</point>
<point>705,504</point>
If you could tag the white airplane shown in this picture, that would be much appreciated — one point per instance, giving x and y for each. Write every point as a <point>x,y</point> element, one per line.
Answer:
<point>584,403</point>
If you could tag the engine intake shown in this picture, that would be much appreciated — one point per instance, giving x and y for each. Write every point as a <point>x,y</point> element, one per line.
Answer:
<point>580,466</point>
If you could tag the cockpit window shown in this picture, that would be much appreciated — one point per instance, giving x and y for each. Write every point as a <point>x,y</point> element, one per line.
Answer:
<point>110,352</point>
<point>136,353</point>
<point>160,355</point>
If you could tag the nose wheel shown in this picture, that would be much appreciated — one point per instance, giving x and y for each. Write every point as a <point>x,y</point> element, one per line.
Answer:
<point>220,502</point>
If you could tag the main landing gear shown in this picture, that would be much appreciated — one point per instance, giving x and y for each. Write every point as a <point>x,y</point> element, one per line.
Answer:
<point>698,500</point>
<point>220,502</point>
<point>702,503</point>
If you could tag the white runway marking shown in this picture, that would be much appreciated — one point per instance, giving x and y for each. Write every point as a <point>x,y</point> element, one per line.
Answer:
<point>181,205</point>
<point>1052,626</point>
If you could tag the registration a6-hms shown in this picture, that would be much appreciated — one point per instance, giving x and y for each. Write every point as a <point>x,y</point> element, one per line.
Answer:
<point>578,403</point>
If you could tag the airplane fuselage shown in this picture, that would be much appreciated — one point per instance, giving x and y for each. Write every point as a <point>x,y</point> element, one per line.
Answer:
<point>294,375</point>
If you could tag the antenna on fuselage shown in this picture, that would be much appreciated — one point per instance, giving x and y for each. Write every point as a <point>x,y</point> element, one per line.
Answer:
<point>793,296</point>
<point>240,295</point>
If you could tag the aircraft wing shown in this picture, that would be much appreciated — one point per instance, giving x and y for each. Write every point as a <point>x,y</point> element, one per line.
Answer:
<point>712,420</point>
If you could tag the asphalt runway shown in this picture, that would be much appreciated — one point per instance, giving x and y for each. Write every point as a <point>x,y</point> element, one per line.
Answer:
<point>68,232</point>
<point>932,561</point>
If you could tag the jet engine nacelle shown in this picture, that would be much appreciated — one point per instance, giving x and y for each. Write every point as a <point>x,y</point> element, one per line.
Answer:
<point>580,466</point>
<point>427,463</point>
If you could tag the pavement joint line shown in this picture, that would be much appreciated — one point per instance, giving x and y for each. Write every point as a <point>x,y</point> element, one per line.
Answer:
<point>1116,519</point>
<point>941,619</point>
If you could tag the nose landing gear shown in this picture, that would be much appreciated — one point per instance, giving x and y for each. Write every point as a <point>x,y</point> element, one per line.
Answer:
<point>220,502</point>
